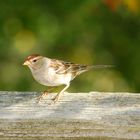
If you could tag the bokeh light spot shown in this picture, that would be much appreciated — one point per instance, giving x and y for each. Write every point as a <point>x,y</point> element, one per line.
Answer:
<point>24,41</point>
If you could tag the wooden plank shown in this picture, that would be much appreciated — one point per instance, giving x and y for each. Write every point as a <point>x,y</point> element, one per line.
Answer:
<point>75,116</point>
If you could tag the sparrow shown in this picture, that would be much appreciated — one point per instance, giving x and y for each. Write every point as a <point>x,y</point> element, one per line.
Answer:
<point>53,72</point>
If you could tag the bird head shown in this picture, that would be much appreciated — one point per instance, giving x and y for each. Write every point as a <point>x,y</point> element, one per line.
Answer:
<point>33,61</point>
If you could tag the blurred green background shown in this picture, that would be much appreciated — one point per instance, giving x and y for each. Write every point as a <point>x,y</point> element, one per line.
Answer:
<point>81,31</point>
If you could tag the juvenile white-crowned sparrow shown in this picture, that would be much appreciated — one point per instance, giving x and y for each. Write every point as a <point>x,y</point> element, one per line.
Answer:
<point>53,72</point>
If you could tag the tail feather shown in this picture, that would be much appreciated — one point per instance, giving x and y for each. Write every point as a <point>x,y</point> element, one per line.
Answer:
<point>102,66</point>
<point>78,69</point>
<point>84,68</point>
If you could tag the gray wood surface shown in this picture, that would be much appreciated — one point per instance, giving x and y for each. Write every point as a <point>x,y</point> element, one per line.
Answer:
<point>97,115</point>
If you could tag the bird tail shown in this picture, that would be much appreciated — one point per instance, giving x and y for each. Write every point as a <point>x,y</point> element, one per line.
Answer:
<point>78,69</point>
<point>101,66</point>
<point>84,68</point>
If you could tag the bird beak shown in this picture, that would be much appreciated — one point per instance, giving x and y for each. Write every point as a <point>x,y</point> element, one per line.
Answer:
<point>26,63</point>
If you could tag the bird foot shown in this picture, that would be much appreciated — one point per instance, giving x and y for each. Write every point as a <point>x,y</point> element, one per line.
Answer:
<point>45,93</point>
<point>55,99</point>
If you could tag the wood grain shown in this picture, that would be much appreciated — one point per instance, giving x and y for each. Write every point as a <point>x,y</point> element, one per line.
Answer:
<point>97,115</point>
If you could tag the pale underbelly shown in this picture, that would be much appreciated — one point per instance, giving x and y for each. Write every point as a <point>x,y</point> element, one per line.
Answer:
<point>53,80</point>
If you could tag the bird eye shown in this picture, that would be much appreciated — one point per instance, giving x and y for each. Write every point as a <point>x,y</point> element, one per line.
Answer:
<point>34,60</point>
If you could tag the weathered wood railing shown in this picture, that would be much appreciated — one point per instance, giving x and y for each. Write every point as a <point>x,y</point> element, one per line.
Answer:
<point>106,116</point>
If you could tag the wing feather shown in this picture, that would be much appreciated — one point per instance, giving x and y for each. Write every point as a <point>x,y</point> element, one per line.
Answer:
<point>62,67</point>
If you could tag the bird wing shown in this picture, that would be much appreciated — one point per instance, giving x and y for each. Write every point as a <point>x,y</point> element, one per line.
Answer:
<point>62,67</point>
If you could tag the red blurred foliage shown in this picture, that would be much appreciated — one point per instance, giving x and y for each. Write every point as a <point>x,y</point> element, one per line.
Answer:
<point>113,4</point>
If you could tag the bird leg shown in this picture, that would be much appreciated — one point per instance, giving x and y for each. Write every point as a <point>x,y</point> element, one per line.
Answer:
<point>55,99</point>
<point>45,93</point>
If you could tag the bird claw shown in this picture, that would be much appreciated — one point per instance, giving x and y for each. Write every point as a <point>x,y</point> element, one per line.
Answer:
<point>42,96</point>
<point>55,99</point>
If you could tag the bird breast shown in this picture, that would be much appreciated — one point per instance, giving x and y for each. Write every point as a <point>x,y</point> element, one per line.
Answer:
<point>49,77</point>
